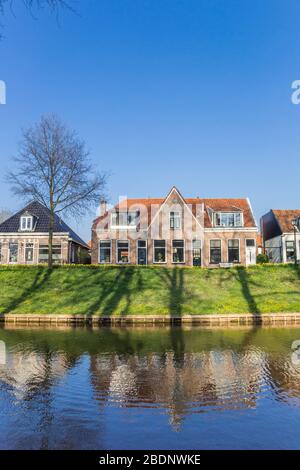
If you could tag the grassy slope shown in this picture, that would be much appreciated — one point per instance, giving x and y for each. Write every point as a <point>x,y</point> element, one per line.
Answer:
<point>149,290</point>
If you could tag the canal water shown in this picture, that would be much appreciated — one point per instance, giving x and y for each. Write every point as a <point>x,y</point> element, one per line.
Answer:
<point>149,388</point>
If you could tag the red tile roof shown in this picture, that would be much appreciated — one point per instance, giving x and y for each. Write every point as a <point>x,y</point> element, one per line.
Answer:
<point>285,217</point>
<point>222,205</point>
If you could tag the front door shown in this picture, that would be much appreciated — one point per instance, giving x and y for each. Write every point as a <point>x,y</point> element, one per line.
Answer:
<point>250,252</point>
<point>142,252</point>
<point>196,253</point>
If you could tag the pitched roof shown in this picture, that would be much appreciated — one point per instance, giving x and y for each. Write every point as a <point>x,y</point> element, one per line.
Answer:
<point>41,214</point>
<point>222,205</point>
<point>284,219</point>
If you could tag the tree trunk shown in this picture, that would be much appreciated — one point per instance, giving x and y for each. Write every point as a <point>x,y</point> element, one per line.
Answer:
<point>50,240</point>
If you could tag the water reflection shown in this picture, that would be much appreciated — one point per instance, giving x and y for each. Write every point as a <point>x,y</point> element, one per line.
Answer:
<point>65,388</point>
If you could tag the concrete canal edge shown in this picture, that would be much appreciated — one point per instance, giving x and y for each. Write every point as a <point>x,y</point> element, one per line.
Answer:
<point>239,319</point>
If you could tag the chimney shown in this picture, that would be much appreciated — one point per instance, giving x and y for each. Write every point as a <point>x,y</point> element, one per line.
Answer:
<point>103,207</point>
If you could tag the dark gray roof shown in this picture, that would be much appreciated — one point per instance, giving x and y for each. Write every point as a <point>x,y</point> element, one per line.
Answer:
<point>41,222</point>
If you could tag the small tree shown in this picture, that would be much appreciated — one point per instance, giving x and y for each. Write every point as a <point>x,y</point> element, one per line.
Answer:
<point>53,168</point>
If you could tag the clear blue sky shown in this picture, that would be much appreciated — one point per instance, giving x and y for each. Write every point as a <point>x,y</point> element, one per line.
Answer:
<point>191,93</point>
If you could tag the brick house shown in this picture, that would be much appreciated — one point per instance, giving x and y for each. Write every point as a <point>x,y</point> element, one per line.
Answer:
<point>281,235</point>
<point>24,239</point>
<point>176,231</point>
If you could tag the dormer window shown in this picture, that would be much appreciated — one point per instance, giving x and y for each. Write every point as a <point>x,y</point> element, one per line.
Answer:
<point>124,220</point>
<point>26,223</point>
<point>228,219</point>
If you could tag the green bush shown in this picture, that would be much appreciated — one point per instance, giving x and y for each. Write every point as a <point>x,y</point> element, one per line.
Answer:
<point>262,258</point>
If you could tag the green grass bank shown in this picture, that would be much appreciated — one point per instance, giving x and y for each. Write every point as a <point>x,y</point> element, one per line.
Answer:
<point>132,290</point>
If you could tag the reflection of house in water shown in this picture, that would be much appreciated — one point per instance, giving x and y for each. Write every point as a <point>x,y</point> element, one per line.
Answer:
<point>284,377</point>
<point>27,373</point>
<point>194,383</point>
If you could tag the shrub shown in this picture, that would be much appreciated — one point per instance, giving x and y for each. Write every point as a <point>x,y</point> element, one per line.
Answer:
<point>262,258</point>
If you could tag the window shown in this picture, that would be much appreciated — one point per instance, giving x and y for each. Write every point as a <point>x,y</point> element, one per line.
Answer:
<point>290,251</point>
<point>196,252</point>
<point>122,251</point>
<point>250,242</point>
<point>233,251</point>
<point>124,219</point>
<point>215,251</point>
<point>0,252</point>
<point>142,252</point>
<point>175,220</point>
<point>13,252</point>
<point>105,251</point>
<point>228,219</point>
<point>159,251</point>
<point>29,252</point>
<point>178,251</point>
<point>44,252</point>
<point>26,222</point>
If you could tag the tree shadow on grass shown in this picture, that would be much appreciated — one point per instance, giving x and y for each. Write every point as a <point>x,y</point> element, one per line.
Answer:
<point>174,280</point>
<point>112,293</point>
<point>243,277</point>
<point>41,277</point>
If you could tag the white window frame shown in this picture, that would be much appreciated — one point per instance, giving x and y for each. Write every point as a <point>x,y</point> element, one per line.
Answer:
<point>26,248</point>
<point>13,243</point>
<point>234,262</point>
<point>110,255</point>
<point>221,248</point>
<point>137,251</point>
<point>28,226</point>
<point>159,262</point>
<point>123,227</point>
<point>216,213</point>
<point>178,262</point>
<point>117,242</point>
<point>177,214</point>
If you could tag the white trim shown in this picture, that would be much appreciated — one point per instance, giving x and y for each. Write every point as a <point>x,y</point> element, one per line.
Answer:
<point>239,211</point>
<point>153,249</point>
<point>221,248</point>
<point>26,218</point>
<point>31,234</point>
<point>137,251</point>
<point>201,250</point>
<point>255,246</point>
<point>184,202</point>
<point>122,240</point>
<point>231,229</point>
<point>25,249</point>
<point>8,253</point>
<point>99,251</point>
<point>121,227</point>
<point>181,240</point>
<point>233,262</point>
<point>251,210</point>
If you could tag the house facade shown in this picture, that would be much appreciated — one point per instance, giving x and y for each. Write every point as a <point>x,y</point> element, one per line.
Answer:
<point>175,231</point>
<point>281,235</point>
<point>24,239</point>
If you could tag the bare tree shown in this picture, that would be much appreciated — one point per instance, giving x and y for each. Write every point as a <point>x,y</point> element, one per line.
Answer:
<point>4,214</point>
<point>53,167</point>
<point>31,5</point>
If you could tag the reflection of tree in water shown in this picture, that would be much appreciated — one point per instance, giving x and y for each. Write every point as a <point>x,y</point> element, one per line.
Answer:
<point>30,376</point>
<point>197,382</point>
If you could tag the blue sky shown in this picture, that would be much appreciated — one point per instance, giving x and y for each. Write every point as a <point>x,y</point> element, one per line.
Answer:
<point>191,93</point>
